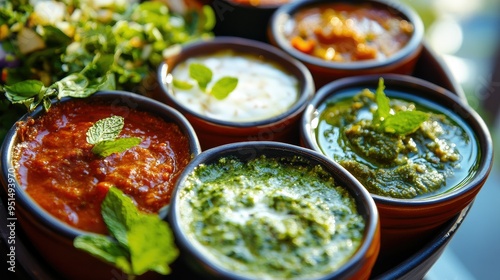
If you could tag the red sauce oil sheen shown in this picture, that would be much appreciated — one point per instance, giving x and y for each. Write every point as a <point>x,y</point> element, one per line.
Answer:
<point>58,170</point>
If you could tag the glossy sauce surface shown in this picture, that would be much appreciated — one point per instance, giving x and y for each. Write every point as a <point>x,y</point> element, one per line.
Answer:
<point>57,168</point>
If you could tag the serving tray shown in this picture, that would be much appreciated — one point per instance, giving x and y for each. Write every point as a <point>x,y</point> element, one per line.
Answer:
<point>414,265</point>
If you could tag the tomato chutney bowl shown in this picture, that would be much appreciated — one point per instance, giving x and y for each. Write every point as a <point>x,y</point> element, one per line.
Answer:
<point>234,89</point>
<point>62,162</point>
<point>338,38</point>
<point>271,210</point>
<point>421,152</point>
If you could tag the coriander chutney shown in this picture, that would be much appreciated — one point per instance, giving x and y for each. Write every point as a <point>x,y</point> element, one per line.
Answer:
<point>270,218</point>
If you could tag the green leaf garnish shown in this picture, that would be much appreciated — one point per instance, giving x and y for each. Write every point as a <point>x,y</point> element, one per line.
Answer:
<point>402,122</point>
<point>105,130</point>
<point>139,241</point>
<point>107,148</point>
<point>201,74</point>
<point>182,84</point>
<point>223,87</point>
<point>383,103</point>
<point>103,135</point>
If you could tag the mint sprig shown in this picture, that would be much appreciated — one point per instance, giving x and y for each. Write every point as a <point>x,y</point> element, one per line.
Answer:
<point>139,241</point>
<point>401,122</point>
<point>203,76</point>
<point>103,135</point>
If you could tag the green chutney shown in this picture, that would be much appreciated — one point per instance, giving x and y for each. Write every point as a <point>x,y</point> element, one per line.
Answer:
<point>270,218</point>
<point>435,158</point>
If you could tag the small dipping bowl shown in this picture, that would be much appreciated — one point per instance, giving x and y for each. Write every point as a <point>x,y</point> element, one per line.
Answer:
<point>405,220</point>
<point>50,236</point>
<point>281,183</point>
<point>218,122</point>
<point>339,49</point>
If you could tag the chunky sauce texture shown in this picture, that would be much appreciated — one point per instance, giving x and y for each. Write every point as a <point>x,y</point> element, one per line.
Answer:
<point>57,169</point>
<point>344,32</point>
<point>432,160</point>
<point>275,218</point>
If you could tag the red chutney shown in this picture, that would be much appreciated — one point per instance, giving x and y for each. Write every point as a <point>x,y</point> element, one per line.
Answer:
<point>58,170</point>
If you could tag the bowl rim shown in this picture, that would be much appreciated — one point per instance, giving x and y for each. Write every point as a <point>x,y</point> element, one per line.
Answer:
<point>285,13</point>
<point>306,91</point>
<point>472,119</point>
<point>251,149</point>
<point>42,216</point>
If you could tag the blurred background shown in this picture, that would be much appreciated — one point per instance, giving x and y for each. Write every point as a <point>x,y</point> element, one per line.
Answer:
<point>466,35</point>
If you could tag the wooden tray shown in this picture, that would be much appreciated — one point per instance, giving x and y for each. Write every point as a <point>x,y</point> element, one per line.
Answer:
<point>415,265</point>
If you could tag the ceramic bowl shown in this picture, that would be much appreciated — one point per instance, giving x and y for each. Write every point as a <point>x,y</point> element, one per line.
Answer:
<point>401,61</point>
<point>52,238</point>
<point>405,222</point>
<point>358,266</point>
<point>242,18</point>
<point>213,131</point>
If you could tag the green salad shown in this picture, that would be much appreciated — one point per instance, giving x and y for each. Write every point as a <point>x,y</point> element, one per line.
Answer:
<point>52,49</point>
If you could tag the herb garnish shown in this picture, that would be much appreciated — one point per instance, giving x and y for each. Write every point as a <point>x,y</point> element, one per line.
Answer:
<point>139,241</point>
<point>203,76</point>
<point>401,122</point>
<point>103,136</point>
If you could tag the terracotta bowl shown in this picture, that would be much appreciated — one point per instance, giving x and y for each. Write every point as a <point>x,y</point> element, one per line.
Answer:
<point>405,222</point>
<point>324,71</point>
<point>242,18</point>
<point>358,266</point>
<point>53,238</point>
<point>212,131</point>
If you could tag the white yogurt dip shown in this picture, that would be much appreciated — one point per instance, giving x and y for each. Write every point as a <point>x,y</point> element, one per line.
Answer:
<point>264,89</point>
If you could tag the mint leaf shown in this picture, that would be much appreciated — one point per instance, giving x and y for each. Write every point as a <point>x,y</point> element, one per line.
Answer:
<point>23,90</point>
<point>106,249</point>
<point>139,241</point>
<point>105,130</point>
<point>182,84</point>
<point>118,213</point>
<point>150,243</point>
<point>404,122</point>
<point>200,73</point>
<point>107,148</point>
<point>223,87</point>
<point>383,103</point>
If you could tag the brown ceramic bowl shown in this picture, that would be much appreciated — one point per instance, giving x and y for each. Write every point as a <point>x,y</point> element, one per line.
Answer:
<point>242,18</point>
<point>358,266</point>
<point>214,131</point>
<point>405,222</point>
<point>52,238</point>
<point>324,71</point>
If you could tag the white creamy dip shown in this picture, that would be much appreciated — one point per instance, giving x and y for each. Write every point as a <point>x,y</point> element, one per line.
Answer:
<point>263,91</point>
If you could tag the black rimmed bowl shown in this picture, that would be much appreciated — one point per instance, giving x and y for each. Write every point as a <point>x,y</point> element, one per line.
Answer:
<point>406,222</point>
<point>402,61</point>
<point>265,158</point>
<point>214,131</point>
<point>53,238</point>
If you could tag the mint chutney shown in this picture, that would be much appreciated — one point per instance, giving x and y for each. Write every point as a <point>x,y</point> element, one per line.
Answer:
<point>433,159</point>
<point>270,218</point>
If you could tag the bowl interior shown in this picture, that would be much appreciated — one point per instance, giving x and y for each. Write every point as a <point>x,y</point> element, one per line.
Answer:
<point>250,150</point>
<point>412,89</point>
<point>114,98</point>
<point>243,46</point>
<point>284,16</point>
